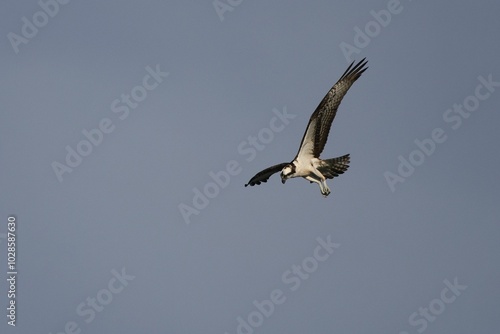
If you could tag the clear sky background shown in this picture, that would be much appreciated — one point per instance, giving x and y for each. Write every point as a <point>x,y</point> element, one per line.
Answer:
<point>105,248</point>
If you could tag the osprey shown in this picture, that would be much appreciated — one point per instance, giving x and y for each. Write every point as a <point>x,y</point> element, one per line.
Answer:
<point>307,163</point>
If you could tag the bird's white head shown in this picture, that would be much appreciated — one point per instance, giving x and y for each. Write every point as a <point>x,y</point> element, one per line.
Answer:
<point>287,172</point>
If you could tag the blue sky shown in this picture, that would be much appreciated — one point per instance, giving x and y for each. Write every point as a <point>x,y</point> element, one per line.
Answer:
<point>120,117</point>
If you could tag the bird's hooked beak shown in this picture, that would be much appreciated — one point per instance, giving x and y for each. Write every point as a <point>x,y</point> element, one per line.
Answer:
<point>283,179</point>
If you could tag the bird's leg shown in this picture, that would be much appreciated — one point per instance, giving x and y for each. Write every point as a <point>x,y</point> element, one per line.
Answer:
<point>321,180</point>
<point>323,187</point>
<point>325,191</point>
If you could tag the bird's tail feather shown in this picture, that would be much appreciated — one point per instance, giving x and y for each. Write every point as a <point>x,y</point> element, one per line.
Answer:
<point>331,168</point>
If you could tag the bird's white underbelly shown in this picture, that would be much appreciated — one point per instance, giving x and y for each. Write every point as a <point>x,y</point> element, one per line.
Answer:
<point>307,168</point>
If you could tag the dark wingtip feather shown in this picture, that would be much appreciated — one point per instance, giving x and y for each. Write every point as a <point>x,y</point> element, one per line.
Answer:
<point>357,70</point>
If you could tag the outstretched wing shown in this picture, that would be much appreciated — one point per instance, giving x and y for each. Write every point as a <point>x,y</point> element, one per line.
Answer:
<point>317,130</point>
<point>331,168</point>
<point>264,175</point>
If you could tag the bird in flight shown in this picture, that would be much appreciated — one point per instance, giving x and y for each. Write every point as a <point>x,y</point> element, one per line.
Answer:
<point>307,163</point>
